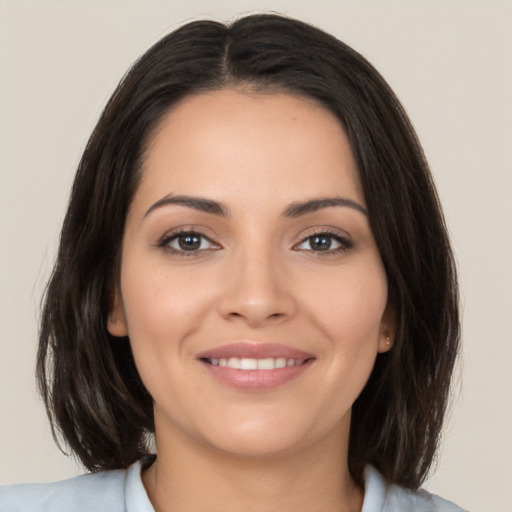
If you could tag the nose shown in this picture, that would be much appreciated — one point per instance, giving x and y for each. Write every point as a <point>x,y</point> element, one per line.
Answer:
<point>257,290</point>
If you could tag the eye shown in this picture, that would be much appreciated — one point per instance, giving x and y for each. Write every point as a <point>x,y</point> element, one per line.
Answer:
<point>187,241</point>
<point>324,242</point>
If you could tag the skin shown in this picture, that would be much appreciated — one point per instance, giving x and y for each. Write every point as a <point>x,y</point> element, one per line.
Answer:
<point>257,276</point>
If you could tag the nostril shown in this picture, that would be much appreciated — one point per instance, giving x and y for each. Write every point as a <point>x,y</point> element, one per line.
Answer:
<point>256,309</point>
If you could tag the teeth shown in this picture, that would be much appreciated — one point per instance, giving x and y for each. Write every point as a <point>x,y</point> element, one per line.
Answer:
<point>280,362</point>
<point>234,362</point>
<point>246,363</point>
<point>266,364</point>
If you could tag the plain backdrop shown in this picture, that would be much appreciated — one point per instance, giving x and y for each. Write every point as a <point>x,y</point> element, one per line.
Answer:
<point>450,62</point>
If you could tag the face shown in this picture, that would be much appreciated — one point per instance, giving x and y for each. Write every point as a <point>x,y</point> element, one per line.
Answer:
<point>251,287</point>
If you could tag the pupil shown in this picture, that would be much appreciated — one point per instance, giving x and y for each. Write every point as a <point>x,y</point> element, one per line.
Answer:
<point>320,243</point>
<point>189,242</point>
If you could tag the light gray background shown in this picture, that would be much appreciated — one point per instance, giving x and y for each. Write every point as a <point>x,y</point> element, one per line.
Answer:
<point>451,64</point>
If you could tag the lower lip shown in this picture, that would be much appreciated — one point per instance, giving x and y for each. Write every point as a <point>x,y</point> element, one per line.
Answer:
<point>256,380</point>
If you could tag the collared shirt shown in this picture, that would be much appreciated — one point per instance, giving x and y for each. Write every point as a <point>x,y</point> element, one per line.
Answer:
<point>122,490</point>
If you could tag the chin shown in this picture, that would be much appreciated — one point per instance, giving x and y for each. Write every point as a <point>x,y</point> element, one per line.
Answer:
<point>270,437</point>
<point>255,446</point>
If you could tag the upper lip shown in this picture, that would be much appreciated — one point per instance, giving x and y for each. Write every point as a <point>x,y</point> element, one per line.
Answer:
<point>254,350</point>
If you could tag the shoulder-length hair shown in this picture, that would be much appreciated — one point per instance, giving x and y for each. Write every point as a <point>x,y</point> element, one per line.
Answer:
<point>93,394</point>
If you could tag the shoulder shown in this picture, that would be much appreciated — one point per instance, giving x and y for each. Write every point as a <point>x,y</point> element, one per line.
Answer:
<point>106,490</point>
<point>380,496</point>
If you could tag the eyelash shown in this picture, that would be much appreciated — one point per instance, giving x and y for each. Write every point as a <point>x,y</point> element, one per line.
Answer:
<point>345,244</point>
<point>166,241</point>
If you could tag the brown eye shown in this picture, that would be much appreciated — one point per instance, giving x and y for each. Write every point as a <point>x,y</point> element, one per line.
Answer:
<point>320,243</point>
<point>189,241</point>
<point>323,242</point>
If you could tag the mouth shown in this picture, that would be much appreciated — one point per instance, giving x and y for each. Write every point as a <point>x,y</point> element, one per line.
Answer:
<point>255,367</point>
<point>251,364</point>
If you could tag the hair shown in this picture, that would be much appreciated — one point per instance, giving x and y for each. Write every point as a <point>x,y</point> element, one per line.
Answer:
<point>93,394</point>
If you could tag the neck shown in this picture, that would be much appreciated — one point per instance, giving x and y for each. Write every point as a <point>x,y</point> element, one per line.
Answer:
<point>189,476</point>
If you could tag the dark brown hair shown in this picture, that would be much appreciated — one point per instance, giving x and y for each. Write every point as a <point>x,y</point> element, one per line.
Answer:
<point>93,393</point>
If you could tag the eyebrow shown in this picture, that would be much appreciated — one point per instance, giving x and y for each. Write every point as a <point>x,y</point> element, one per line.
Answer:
<point>294,210</point>
<point>197,203</point>
<point>303,208</point>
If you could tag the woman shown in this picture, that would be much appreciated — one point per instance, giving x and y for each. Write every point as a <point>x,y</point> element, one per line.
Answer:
<point>254,268</point>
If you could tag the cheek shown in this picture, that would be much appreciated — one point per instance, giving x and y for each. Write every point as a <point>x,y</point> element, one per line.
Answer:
<point>163,308</point>
<point>350,317</point>
<point>349,307</point>
<point>159,298</point>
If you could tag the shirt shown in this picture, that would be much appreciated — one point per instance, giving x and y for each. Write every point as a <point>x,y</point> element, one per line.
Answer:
<point>122,490</point>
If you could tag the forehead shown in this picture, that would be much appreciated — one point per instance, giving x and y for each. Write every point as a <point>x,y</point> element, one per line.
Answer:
<point>226,144</point>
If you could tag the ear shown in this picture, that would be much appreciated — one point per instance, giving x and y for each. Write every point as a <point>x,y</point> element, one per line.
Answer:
<point>387,329</point>
<point>116,321</point>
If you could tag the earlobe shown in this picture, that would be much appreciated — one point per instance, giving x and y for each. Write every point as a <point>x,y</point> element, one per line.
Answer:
<point>387,329</point>
<point>386,343</point>
<point>116,323</point>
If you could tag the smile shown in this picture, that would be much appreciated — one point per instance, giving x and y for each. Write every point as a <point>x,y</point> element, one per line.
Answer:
<point>246,363</point>
<point>255,366</point>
